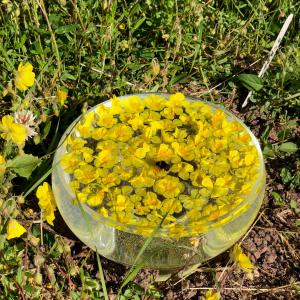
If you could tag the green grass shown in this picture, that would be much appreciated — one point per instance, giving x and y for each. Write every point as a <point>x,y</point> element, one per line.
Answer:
<point>96,49</point>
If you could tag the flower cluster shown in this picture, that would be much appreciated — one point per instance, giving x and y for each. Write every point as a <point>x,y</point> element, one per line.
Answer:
<point>144,158</point>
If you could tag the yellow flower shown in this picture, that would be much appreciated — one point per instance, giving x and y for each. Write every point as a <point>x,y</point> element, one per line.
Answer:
<point>206,182</point>
<point>133,104</point>
<point>75,143</point>
<point>155,102</point>
<point>165,153</point>
<point>141,152</point>
<point>142,181</point>
<point>241,259</point>
<point>46,202</point>
<point>70,162</point>
<point>136,122</point>
<point>86,174</point>
<point>186,151</point>
<point>2,159</point>
<point>24,77</point>
<point>121,133</point>
<point>210,295</point>
<point>171,206</point>
<point>183,170</point>
<point>106,120</point>
<point>116,108</point>
<point>106,159</point>
<point>61,95</point>
<point>95,198</point>
<point>151,201</point>
<point>12,131</point>
<point>168,186</point>
<point>14,229</point>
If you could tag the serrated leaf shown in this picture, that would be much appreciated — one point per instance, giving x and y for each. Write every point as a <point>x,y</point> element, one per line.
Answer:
<point>251,82</point>
<point>24,164</point>
<point>288,147</point>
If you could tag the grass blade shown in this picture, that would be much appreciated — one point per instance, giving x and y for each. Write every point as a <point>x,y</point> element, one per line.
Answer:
<point>137,266</point>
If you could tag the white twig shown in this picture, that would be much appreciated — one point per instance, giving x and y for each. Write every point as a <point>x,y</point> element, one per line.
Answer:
<point>272,52</point>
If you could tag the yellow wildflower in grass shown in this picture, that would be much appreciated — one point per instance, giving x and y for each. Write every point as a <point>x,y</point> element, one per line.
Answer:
<point>24,77</point>
<point>2,159</point>
<point>14,229</point>
<point>46,202</point>
<point>11,131</point>
<point>61,96</point>
<point>211,295</point>
<point>241,259</point>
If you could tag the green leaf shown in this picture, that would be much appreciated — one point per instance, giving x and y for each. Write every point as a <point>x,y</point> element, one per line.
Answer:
<point>24,164</point>
<point>288,147</point>
<point>251,82</point>
<point>278,200</point>
<point>286,175</point>
<point>293,204</point>
<point>66,28</point>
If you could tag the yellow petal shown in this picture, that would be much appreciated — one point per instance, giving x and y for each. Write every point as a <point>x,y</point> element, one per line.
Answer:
<point>241,259</point>
<point>206,182</point>
<point>210,295</point>
<point>14,229</point>
<point>24,77</point>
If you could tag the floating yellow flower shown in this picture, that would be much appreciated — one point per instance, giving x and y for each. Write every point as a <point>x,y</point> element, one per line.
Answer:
<point>168,186</point>
<point>14,229</point>
<point>133,104</point>
<point>46,202</point>
<point>24,77</point>
<point>241,259</point>
<point>210,295</point>
<point>12,131</point>
<point>155,102</point>
<point>120,133</point>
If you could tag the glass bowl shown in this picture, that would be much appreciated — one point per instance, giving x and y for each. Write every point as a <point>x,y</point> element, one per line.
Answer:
<point>122,244</point>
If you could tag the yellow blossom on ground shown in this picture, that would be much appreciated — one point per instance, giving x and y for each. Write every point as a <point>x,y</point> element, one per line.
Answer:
<point>241,259</point>
<point>12,131</point>
<point>211,295</point>
<point>24,77</point>
<point>46,202</point>
<point>61,96</point>
<point>2,159</point>
<point>14,229</point>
